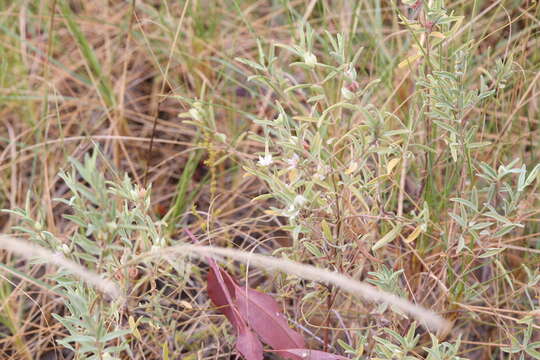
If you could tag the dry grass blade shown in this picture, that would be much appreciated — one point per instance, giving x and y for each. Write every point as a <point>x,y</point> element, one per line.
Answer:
<point>288,127</point>
<point>29,251</point>
<point>426,317</point>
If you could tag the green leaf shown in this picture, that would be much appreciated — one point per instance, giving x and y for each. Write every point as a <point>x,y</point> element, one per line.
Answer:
<point>532,175</point>
<point>504,230</point>
<point>165,351</point>
<point>312,248</point>
<point>250,63</point>
<point>467,203</point>
<point>478,145</point>
<point>346,347</point>
<point>389,237</point>
<point>115,334</point>
<point>88,54</point>
<point>459,220</point>
<point>491,252</point>
<point>327,232</point>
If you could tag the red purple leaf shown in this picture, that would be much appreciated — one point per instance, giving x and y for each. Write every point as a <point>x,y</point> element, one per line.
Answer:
<point>248,310</point>
<point>248,344</point>
<point>263,315</point>
<point>306,354</point>
<point>221,290</point>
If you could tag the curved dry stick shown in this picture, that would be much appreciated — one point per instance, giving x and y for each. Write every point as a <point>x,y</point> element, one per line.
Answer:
<point>28,251</point>
<point>425,317</point>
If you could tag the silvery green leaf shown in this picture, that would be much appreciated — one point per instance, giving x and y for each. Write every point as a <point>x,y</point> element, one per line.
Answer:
<point>250,63</point>
<point>467,203</point>
<point>459,220</point>
<point>313,249</point>
<point>504,230</point>
<point>478,145</point>
<point>445,126</point>
<point>490,252</point>
<point>388,237</point>
<point>532,175</point>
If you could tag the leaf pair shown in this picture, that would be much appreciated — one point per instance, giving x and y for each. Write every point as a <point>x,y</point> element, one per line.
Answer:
<point>256,315</point>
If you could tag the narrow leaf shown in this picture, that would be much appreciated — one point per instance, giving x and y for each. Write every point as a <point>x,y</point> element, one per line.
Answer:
<point>490,252</point>
<point>412,236</point>
<point>389,237</point>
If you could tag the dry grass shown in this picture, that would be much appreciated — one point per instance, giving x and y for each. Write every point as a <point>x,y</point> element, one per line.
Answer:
<point>120,74</point>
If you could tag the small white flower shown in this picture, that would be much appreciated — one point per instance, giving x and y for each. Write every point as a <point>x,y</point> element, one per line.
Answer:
<point>160,241</point>
<point>291,212</point>
<point>299,201</point>
<point>294,209</point>
<point>293,162</point>
<point>65,249</point>
<point>266,160</point>
<point>310,59</point>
